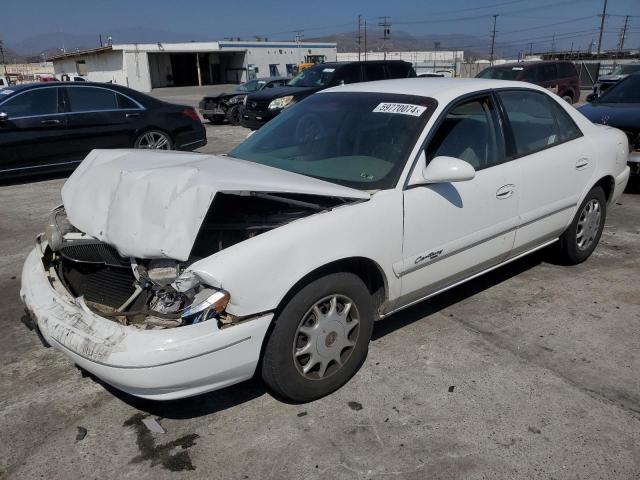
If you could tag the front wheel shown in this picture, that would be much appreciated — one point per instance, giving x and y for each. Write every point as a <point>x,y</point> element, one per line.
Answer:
<point>320,339</point>
<point>568,99</point>
<point>154,140</point>
<point>233,115</point>
<point>579,241</point>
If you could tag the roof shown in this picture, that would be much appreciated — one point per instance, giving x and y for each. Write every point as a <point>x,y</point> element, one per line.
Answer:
<point>528,63</point>
<point>442,89</point>
<point>90,51</point>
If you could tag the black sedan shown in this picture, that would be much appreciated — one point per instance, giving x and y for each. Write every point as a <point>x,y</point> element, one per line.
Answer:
<point>53,126</point>
<point>619,107</point>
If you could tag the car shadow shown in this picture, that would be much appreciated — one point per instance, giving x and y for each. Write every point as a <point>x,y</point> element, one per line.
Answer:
<point>220,400</point>
<point>40,177</point>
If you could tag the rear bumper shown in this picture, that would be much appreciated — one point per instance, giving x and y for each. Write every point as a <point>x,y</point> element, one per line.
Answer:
<point>192,139</point>
<point>621,184</point>
<point>634,163</point>
<point>155,364</point>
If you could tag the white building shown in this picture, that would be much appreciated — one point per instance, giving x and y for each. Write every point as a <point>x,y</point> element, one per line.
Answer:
<point>423,62</point>
<point>153,65</point>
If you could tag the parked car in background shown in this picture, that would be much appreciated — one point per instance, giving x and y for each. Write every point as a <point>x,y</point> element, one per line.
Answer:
<point>604,82</point>
<point>431,75</point>
<point>559,77</point>
<point>260,107</point>
<point>70,77</point>
<point>168,275</point>
<point>53,126</point>
<point>619,107</point>
<point>227,106</point>
<point>4,82</point>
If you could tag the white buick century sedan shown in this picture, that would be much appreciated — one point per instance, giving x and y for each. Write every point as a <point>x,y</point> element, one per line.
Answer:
<point>170,274</point>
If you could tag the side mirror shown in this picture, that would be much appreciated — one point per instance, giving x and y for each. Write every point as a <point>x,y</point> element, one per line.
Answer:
<point>4,116</point>
<point>592,97</point>
<point>441,170</point>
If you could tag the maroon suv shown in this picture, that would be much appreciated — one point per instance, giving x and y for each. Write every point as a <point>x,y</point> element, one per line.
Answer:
<point>559,77</point>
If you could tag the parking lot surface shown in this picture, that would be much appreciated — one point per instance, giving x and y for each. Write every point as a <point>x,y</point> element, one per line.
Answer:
<point>531,371</point>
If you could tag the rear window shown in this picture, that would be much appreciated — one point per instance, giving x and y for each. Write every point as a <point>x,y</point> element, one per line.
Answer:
<point>398,70</point>
<point>501,73</point>
<point>374,71</point>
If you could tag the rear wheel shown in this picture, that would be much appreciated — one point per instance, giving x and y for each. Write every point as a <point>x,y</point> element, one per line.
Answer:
<point>154,140</point>
<point>568,99</point>
<point>579,241</point>
<point>320,339</point>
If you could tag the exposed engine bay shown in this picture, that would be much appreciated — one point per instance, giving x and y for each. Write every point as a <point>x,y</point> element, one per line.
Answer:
<point>147,293</point>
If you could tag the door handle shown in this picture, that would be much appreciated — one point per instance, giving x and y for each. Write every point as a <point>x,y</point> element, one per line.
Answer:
<point>582,164</point>
<point>505,191</point>
<point>132,115</point>
<point>50,122</point>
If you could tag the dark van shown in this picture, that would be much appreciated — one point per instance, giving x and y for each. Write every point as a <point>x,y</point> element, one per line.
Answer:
<point>560,77</point>
<point>262,106</point>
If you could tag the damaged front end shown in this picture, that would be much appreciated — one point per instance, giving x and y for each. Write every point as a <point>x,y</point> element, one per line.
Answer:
<point>161,293</point>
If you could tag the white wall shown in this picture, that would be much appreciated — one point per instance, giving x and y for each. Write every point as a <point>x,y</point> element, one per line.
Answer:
<point>136,66</point>
<point>102,67</point>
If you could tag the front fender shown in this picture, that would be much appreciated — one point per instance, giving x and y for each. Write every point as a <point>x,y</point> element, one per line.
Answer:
<point>259,272</point>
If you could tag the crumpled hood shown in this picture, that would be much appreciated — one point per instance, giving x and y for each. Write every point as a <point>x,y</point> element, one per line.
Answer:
<point>150,204</point>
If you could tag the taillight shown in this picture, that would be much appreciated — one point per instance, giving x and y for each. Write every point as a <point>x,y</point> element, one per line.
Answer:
<point>191,113</point>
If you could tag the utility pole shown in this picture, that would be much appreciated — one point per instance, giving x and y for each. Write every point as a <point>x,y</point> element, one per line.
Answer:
<point>602,16</point>
<point>436,46</point>
<point>298,37</point>
<point>493,38</point>
<point>386,33</point>
<point>623,34</point>
<point>365,41</point>
<point>531,48</point>
<point>359,37</point>
<point>553,43</point>
<point>2,57</point>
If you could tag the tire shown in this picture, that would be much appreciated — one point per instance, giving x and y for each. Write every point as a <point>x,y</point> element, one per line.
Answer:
<point>327,334</point>
<point>217,119</point>
<point>579,241</point>
<point>233,115</point>
<point>154,140</point>
<point>568,99</point>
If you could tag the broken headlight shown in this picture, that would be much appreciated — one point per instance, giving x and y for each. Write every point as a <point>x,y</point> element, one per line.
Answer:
<point>208,303</point>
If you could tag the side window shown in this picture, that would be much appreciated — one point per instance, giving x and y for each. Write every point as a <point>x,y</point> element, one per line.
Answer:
<point>125,103</point>
<point>548,73</point>
<point>89,99</point>
<point>374,71</point>
<point>566,126</point>
<point>349,74</point>
<point>531,74</point>
<point>397,70</point>
<point>41,101</point>
<point>567,70</point>
<point>470,132</point>
<point>532,120</point>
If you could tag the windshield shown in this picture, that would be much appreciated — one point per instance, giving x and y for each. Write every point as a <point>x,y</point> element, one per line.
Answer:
<point>251,86</point>
<point>318,76</point>
<point>501,73</point>
<point>626,69</point>
<point>626,91</point>
<point>360,140</point>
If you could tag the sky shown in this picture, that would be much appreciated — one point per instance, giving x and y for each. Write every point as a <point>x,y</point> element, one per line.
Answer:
<point>520,22</point>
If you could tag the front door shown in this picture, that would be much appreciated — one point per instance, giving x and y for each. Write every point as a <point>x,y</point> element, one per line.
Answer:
<point>454,230</point>
<point>33,135</point>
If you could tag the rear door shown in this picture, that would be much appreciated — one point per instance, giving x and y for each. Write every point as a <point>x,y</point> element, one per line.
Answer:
<point>100,118</point>
<point>553,160</point>
<point>548,77</point>
<point>34,132</point>
<point>454,230</point>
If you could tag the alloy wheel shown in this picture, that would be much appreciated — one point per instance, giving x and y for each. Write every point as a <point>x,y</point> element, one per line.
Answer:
<point>154,140</point>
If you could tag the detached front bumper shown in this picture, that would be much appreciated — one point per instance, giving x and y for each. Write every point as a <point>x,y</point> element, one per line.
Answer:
<point>155,364</point>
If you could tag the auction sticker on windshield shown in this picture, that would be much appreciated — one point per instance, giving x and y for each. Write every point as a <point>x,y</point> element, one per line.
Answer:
<point>401,108</point>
